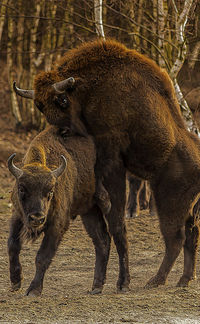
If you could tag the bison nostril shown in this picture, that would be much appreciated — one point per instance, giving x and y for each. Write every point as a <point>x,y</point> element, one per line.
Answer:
<point>30,218</point>
<point>38,215</point>
<point>37,218</point>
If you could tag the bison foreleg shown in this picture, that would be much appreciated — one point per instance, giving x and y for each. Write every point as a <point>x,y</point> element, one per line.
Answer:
<point>96,228</point>
<point>190,251</point>
<point>14,248</point>
<point>44,257</point>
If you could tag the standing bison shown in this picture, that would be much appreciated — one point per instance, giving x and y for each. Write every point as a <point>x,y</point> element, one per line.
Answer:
<point>129,106</point>
<point>47,195</point>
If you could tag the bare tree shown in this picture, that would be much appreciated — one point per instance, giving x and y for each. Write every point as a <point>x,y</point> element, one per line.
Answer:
<point>33,33</point>
<point>98,18</point>
<point>11,73</point>
<point>181,21</point>
<point>2,15</point>
<point>194,55</point>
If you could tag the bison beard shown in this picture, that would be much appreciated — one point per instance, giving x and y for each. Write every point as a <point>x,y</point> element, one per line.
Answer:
<point>129,106</point>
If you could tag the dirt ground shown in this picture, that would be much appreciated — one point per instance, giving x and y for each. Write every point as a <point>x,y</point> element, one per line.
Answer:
<point>65,297</point>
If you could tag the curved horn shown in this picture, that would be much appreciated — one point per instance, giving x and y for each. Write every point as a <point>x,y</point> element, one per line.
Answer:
<point>23,93</point>
<point>12,168</point>
<point>57,172</point>
<point>61,86</point>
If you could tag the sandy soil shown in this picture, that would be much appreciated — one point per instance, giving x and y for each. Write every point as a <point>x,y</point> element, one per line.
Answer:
<point>65,297</point>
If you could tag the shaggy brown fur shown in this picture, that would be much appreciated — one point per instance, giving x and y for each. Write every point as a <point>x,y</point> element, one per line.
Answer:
<point>45,204</point>
<point>129,105</point>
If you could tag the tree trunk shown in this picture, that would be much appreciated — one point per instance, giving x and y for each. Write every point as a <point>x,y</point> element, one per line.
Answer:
<point>11,75</point>
<point>182,52</point>
<point>98,18</point>
<point>35,119</point>
<point>194,55</point>
<point>2,15</point>
<point>161,11</point>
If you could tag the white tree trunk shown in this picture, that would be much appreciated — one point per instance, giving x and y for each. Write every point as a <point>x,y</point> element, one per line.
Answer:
<point>181,20</point>
<point>194,56</point>
<point>13,96</point>
<point>180,37</point>
<point>2,15</point>
<point>98,18</point>
<point>187,114</point>
<point>161,30</point>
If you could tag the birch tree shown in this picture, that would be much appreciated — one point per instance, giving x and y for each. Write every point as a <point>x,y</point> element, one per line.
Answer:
<point>194,55</point>
<point>11,73</point>
<point>98,18</point>
<point>2,15</point>
<point>181,21</point>
<point>161,21</point>
<point>33,33</point>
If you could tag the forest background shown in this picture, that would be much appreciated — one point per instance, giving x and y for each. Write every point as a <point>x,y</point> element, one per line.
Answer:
<point>35,33</point>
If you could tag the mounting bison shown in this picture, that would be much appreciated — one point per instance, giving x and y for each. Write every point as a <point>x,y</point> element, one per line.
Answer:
<point>128,104</point>
<point>47,195</point>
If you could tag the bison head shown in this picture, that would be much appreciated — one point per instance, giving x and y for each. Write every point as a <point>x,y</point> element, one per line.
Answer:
<point>35,185</point>
<point>60,102</point>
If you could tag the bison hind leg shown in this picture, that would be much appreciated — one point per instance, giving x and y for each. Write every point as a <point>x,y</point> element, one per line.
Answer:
<point>174,240</point>
<point>190,250</point>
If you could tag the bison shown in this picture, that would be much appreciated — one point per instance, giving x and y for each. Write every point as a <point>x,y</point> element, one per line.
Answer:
<point>128,104</point>
<point>47,195</point>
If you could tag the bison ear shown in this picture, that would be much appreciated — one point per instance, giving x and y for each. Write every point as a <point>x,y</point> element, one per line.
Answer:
<point>80,83</point>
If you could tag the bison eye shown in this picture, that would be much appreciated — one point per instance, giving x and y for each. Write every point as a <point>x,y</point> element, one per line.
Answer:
<point>61,102</point>
<point>50,195</point>
<point>22,192</point>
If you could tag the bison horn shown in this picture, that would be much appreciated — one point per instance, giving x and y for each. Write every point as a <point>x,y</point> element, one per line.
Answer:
<point>61,86</point>
<point>23,93</point>
<point>57,172</point>
<point>12,168</point>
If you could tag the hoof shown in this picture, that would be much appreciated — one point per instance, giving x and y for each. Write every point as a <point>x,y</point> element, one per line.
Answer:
<point>182,284</point>
<point>184,281</point>
<point>155,282</point>
<point>95,291</point>
<point>123,290</point>
<point>131,215</point>
<point>33,293</point>
<point>16,286</point>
